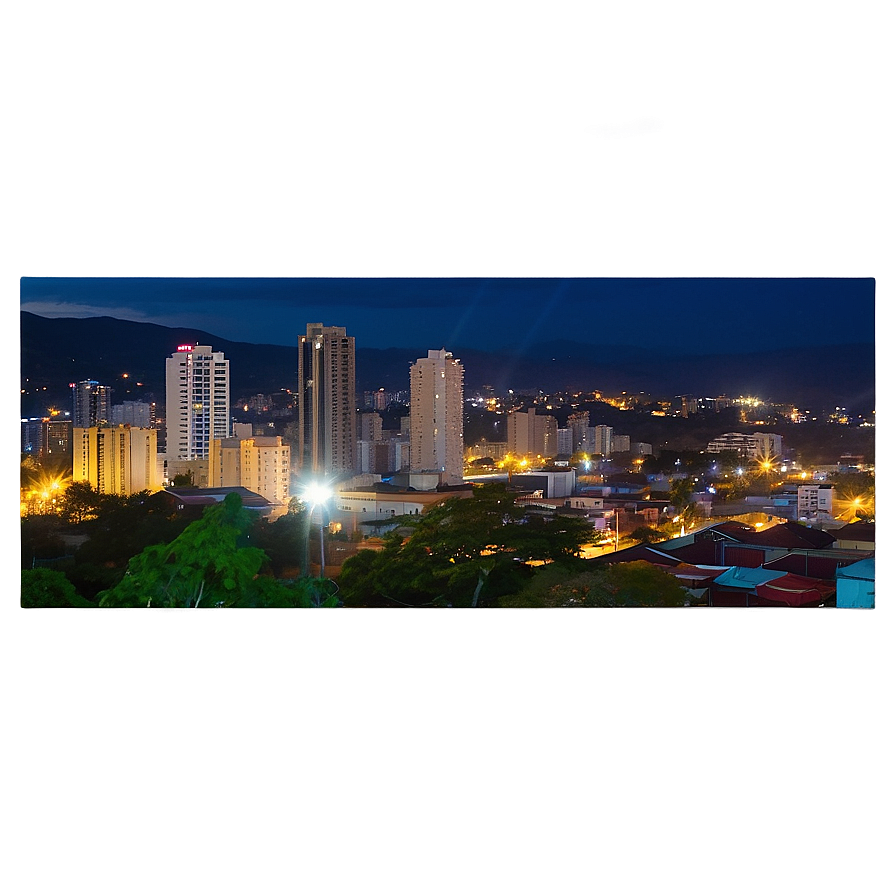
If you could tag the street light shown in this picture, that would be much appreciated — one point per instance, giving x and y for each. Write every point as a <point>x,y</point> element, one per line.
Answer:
<point>317,494</point>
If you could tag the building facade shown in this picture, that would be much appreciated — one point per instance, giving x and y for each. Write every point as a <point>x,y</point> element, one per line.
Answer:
<point>759,444</point>
<point>91,404</point>
<point>197,401</point>
<point>437,415</point>
<point>531,434</point>
<point>259,463</point>
<point>603,440</point>
<point>134,413</point>
<point>115,460</point>
<point>326,399</point>
<point>47,438</point>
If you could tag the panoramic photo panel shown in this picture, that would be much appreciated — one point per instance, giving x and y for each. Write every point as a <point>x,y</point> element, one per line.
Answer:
<point>447,442</point>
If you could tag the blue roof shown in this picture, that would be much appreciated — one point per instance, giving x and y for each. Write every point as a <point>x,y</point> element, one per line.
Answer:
<point>746,577</point>
<point>862,569</point>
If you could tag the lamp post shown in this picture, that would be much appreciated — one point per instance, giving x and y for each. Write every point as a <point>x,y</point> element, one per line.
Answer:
<point>317,495</point>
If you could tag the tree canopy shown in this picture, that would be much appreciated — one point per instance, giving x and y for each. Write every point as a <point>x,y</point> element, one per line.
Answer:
<point>210,564</point>
<point>637,584</point>
<point>462,552</point>
<point>49,588</point>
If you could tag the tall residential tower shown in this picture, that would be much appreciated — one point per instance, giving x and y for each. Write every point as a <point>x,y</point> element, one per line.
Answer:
<point>91,404</point>
<point>437,415</point>
<point>327,412</point>
<point>197,401</point>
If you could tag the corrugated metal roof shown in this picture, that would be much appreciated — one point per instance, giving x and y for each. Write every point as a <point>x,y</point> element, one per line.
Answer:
<point>863,570</point>
<point>747,577</point>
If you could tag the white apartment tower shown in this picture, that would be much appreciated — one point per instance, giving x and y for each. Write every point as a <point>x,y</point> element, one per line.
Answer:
<point>327,412</point>
<point>437,415</point>
<point>197,401</point>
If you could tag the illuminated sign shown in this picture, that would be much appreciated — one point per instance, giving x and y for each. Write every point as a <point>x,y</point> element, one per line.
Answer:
<point>185,348</point>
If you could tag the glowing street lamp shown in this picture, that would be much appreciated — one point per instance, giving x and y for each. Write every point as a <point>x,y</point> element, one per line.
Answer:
<point>317,494</point>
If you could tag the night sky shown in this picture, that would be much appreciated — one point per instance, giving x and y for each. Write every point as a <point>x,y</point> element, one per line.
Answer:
<point>205,164</point>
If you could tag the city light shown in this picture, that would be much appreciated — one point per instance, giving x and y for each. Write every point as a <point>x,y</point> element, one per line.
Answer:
<point>316,494</point>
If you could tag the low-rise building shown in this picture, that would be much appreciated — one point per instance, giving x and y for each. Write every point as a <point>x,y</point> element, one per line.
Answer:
<point>260,464</point>
<point>382,501</point>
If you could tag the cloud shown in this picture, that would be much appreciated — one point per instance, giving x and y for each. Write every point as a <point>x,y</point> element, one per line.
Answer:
<point>71,309</point>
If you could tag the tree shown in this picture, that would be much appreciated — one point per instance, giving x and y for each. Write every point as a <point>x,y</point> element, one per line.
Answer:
<point>284,541</point>
<point>126,524</point>
<point>203,566</point>
<point>680,494</point>
<point>49,588</point>
<point>647,534</point>
<point>80,502</point>
<point>637,584</point>
<point>210,564</point>
<point>462,552</point>
<point>680,491</point>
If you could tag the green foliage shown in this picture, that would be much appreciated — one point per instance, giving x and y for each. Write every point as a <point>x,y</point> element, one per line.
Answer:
<point>80,502</point>
<point>40,539</point>
<point>852,485</point>
<point>49,588</point>
<point>638,584</point>
<point>647,534</point>
<point>680,491</point>
<point>210,564</point>
<point>183,480</point>
<point>289,593</point>
<point>205,565</point>
<point>126,524</point>
<point>463,552</point>
<point>284,540</point>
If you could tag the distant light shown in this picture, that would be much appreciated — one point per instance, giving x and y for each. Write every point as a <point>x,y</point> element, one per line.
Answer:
<point>185,348</point>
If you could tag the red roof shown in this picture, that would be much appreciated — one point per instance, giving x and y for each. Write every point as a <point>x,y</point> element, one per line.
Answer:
<point>856,532</point>
<point>731,526</point>
<point>794,591</point>
<point>788,535</point>
<point>816,565</point>
<point>638,552</point>
<point>703,551</point>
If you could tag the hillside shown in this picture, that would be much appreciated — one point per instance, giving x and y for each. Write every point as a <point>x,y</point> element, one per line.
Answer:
<point>58,351</point>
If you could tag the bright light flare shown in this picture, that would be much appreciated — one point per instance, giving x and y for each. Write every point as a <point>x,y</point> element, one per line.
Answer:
<point>316,494</point>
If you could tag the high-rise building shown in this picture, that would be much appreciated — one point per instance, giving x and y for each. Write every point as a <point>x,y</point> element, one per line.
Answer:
<point>133,413</point>
<point>197,401</point>
<point>582,434</point>
<point>327,412</point>
<point>91,404</point>
<point>603,440</point>
<point>119,460</point>
<point>437,415</point>
<point>47,437</point>
<point>564,442</point>
<point>531,434</point>
<point>370,427</point>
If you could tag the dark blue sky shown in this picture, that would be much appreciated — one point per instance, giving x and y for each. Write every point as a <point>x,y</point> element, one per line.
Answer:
<point>193,142</point>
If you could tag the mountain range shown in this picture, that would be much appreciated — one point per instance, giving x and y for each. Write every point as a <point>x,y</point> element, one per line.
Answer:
<point>58,351</point>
